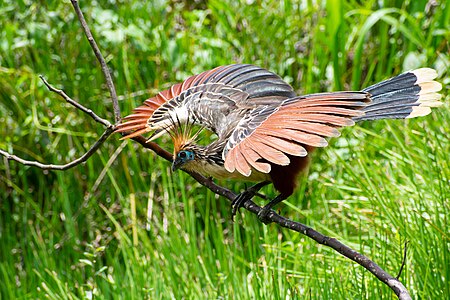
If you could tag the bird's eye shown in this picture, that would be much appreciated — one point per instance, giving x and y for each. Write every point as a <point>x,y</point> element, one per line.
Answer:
<point>182,154</point>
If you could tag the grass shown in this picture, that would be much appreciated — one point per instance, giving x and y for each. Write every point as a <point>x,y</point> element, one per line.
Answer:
<point>123,226</point>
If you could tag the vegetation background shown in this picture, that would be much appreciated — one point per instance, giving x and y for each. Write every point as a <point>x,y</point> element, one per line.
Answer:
<point>123,226</point>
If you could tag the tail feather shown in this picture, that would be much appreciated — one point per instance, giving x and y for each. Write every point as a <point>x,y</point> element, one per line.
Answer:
<point>409,95</point>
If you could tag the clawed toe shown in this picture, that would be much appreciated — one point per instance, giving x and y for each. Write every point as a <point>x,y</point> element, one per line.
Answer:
<point>248,194</point>
<point>263,215</point>
<point>239,202</point>
<point>266,211</point>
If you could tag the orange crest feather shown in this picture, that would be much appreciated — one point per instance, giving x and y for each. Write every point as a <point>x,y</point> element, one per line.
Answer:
<point>182,135</point>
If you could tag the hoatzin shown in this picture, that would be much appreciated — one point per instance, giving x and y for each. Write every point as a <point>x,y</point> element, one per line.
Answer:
<point>265,132</point>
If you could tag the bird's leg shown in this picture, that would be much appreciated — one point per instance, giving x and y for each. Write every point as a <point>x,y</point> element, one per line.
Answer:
<point>248,194</point>
<point>264,212</point>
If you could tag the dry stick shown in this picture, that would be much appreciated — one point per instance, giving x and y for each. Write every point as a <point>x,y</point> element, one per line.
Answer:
<point>88,111</point>
<point>393,283</point>
<point>109,130</point>
<point>98,54</point>
<point>154,147</point>
<point>405,252</point>
<point>109,127</point>
<point>109,82</point>
<point>69,165</point>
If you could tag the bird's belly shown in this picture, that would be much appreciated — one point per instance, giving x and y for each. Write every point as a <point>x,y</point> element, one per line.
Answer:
<point>219,172</point>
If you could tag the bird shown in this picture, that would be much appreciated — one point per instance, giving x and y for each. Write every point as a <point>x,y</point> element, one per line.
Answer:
<point>265,132</point>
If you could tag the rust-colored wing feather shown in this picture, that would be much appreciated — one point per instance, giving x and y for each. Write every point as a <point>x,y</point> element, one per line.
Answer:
<point>137,122</point>
<point>271,134</point>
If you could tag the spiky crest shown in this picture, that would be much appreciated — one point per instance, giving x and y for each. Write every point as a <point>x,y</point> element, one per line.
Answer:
<point>182,134</point>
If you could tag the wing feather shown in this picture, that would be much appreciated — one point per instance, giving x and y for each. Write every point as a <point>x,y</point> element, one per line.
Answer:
<point>328,119</point>
<point>241,82</point>
<point>336,103</point>
<point>230,163</point>
<point>269,153</point>
<point>288,147</point>
<point>143,113</point>
<point>296,135</point>
<point>186,84</point>
<point>252,158</point>
<point>241,164</point>
<point>296,122</point>
<point>326,110</point>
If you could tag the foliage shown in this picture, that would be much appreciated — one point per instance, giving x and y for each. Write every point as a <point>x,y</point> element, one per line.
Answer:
<point>121,225</point>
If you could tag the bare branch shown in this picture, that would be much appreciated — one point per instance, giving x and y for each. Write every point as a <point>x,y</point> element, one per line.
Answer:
<point>154,147</point>
<point>398,288</point>
<point>88,111</point>
<point>109,130</point>
<point>101,60</point>
<point>72,164</point>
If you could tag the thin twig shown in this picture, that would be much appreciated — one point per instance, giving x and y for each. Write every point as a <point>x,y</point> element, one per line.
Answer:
<point>69,165</point>
<point>108,164</point>
<point>154,147</point>
<point>101,60</point>
<point>405,251</point>
<point>109,130</point>
<point>398,288</point>
<point>88,111</point>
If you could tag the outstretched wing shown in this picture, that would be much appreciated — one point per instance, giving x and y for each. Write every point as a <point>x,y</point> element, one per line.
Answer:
<point>207,99</point>
<point>267,135</point>
<point>137,122</point>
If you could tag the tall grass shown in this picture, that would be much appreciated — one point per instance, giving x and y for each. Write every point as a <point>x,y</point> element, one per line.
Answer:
<point>123,226</point>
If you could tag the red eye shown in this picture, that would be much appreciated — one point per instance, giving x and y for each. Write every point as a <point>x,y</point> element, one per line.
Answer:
<point>182,154</point>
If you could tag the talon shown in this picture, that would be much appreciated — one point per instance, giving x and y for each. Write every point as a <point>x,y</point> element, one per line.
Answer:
<point>237,203</point>
<point>248,194</point>
<point>234,210</point>
<point>263,215</point>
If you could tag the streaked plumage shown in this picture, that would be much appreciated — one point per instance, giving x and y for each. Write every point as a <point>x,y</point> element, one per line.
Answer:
<point>265,132</point>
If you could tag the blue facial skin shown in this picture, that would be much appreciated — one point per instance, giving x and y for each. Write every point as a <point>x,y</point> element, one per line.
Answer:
<point>182,157</point>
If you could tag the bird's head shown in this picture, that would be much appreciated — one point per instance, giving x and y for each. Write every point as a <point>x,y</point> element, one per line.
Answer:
<point>186,151</point>
<point>183,157</point>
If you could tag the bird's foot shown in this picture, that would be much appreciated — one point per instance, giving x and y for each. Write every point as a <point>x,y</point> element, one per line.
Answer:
<point>266,211</point>
<point>239,201</point>
<point>248,194</point>
<point>263,214</point>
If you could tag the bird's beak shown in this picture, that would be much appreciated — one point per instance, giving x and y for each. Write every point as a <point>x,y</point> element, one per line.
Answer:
<point>176,164</point>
